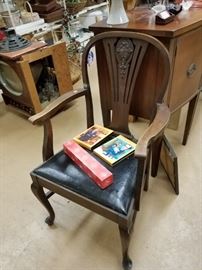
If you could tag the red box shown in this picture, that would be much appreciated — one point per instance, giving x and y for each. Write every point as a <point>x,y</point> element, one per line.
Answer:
<point>100,175</point>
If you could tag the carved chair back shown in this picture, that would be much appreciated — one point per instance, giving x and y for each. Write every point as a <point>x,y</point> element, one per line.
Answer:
<point>124,56</point>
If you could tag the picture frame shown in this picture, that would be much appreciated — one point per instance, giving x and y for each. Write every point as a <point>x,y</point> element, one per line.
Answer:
<point>169,162</point>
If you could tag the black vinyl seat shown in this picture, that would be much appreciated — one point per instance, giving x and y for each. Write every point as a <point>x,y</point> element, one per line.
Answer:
<point>61,170</point>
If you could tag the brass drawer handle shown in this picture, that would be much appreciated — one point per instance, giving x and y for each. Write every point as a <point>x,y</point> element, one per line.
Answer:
<point>191,69</point>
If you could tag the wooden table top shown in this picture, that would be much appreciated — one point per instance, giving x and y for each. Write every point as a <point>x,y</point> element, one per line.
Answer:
<point>18,53</point>
<point>142,20</point>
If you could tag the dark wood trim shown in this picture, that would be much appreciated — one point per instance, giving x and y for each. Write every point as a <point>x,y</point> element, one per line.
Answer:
<point>56,106</point>
<point>157,126</point>
<point>87,203</point>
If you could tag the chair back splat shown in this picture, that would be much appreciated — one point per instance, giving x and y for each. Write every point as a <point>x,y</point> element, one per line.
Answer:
<point>125,55</point>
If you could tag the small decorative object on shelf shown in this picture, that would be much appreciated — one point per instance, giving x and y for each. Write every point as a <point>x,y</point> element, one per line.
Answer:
<point>13,42</point>
<point>27,15</point>
<point>50,11</point>
<point>10,13</point>
<point>11,19</point>
<point>74,6</point>
<point>164,17</point>
<point>117,13</point>
<point>2,23</point>
<point>2,35</point>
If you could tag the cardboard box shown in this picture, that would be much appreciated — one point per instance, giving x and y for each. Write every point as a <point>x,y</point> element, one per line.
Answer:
<point>95,170</point>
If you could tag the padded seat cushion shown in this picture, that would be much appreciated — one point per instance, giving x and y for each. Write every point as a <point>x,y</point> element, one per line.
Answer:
<point>61,170</point>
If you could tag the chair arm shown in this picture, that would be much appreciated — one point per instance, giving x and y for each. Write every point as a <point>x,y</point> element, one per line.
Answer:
<point>57,105</point>
<point>155,128</point>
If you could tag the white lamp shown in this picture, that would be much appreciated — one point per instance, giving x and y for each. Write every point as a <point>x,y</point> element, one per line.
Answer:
<point>117,14</point>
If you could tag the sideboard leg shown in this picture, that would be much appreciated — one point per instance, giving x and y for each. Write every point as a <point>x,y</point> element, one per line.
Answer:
<point>190,116</point>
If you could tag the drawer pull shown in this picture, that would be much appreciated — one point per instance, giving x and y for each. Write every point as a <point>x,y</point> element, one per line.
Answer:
<point>191,69</point>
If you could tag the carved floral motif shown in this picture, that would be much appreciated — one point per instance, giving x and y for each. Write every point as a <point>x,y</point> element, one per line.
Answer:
<point>124,49</point>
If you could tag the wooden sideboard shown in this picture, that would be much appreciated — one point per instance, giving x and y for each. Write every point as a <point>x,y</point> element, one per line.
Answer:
<point>183,39</point>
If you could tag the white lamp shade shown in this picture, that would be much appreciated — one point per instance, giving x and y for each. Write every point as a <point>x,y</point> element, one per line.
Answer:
<point>117,13</point>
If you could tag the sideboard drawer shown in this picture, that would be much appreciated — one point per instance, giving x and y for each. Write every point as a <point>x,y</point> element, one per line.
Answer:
<point>187,68</point>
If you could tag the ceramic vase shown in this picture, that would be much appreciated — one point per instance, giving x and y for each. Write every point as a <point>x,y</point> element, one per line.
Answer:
<point>117,13</point>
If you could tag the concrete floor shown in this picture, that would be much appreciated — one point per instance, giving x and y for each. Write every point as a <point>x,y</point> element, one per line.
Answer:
<point>167,232</point>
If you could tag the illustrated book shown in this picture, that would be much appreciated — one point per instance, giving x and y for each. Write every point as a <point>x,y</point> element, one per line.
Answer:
<point>92,136</point>
<point>93,168</point>
<point>115,150</point>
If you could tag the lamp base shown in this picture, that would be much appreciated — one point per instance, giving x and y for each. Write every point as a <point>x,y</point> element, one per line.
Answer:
<point>117,14</point>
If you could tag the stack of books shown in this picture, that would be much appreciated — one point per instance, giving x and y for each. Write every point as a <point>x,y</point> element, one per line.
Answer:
<point>98,140</point>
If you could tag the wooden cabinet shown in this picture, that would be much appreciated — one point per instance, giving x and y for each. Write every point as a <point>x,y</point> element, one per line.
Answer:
<point>22,67</point>
<point>187,68</point>
<point>183,38</point>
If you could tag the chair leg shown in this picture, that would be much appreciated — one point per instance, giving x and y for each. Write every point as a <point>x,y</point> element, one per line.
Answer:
<point>190,116</point>
<point>156,150</point>
<point>125,240</point>
<point>147,172</point>
<point>41,196</point>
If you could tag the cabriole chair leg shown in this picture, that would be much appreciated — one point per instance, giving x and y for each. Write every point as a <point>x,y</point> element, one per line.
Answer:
<point>125,240</point>
<point>41,196</point>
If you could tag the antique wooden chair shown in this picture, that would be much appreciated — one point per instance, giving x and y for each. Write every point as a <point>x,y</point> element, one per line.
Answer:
<point>125,53</point>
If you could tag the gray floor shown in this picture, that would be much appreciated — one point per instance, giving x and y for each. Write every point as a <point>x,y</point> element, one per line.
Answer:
<point>167,233</point>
